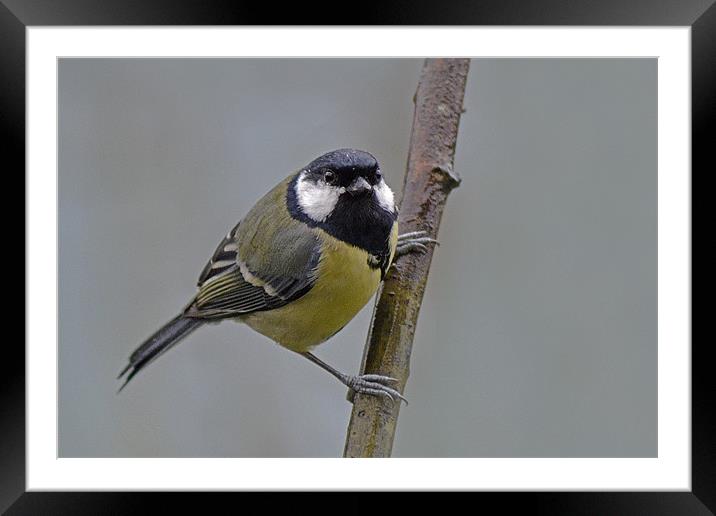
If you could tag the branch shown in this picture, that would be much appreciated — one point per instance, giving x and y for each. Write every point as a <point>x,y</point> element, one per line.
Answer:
<point>429,178</point>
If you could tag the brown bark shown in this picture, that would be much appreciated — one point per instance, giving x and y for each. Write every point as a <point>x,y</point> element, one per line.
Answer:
<point>429,178</point>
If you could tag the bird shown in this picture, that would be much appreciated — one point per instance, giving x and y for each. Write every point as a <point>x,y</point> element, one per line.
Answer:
<point>300,265</point>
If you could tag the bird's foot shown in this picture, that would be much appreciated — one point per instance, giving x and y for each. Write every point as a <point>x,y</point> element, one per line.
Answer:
<point>414,241</point>
<point>374,384</point>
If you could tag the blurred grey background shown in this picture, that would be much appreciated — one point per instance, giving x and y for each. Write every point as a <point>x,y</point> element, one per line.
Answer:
<point>537,337</point>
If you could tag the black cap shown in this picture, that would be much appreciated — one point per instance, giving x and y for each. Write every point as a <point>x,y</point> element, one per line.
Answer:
<point>345,160</point>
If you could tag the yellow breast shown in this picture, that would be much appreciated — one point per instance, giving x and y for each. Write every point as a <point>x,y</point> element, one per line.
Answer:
<point>344,284</point>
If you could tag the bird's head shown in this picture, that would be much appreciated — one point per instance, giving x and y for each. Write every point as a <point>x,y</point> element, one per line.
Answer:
<point>342,183</point>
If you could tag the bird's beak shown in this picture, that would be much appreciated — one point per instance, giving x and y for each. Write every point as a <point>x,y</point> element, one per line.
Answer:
<point>359,186</point>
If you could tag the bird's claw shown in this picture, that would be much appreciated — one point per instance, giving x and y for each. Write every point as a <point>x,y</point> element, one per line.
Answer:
<point>412,242</point>
<point>374,384</point>
<point>412,234</point>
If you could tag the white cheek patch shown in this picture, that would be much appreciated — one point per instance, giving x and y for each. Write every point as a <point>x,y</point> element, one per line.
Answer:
<point>384,196</point>
<point>317,200</point>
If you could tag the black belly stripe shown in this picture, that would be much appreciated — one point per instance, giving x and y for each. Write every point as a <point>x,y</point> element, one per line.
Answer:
<point>381,262</point>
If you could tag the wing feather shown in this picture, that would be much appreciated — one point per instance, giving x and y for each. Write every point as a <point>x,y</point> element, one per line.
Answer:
<point>260,269</point>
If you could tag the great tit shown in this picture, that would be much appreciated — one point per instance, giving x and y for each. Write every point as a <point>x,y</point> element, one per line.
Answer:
<point>301,264</point>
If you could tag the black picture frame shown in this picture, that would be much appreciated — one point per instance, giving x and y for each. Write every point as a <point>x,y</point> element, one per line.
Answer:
<point>16,15</point>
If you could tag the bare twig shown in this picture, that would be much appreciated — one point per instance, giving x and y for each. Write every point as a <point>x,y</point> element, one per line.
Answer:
<point>429,178</point>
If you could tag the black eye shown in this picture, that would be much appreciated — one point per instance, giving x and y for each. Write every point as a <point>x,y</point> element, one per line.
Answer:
<point>329,176</point>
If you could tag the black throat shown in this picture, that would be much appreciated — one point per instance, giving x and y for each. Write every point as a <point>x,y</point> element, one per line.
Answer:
<point>359,221</point>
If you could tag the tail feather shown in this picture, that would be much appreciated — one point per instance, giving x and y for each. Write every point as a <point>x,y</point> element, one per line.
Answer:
<point>162,340</point>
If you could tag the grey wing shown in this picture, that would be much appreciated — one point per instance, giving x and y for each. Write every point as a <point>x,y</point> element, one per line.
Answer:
<point>228,287</point>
